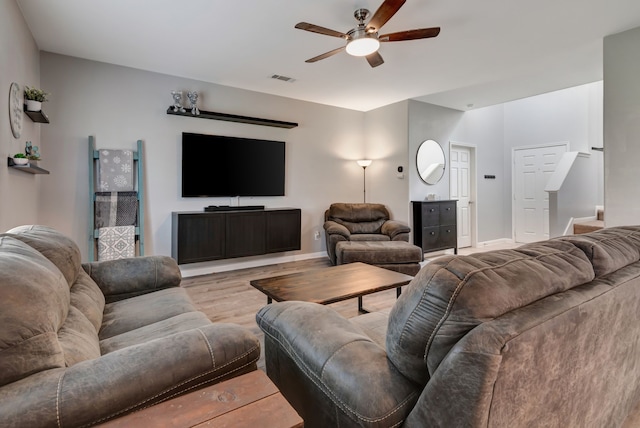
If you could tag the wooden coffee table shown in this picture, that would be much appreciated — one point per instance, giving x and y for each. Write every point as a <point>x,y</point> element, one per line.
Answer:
<point>332,284</point>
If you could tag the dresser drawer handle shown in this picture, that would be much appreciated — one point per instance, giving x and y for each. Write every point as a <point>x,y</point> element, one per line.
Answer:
<point>432,233</point>
<point>448,208</point>
<point>448,230</point>
<point>432,210</point>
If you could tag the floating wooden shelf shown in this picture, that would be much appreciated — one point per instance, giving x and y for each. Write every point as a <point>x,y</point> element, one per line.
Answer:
<point>36,116</point>
<point>234,118</point>
<point>30,168</point>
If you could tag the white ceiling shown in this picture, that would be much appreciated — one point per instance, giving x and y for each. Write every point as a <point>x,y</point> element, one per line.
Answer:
<point>488,51</point>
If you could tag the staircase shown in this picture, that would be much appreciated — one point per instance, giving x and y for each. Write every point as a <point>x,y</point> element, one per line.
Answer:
<point>591,225</point>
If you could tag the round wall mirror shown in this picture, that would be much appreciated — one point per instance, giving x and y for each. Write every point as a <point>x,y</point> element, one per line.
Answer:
<point>430,161</point>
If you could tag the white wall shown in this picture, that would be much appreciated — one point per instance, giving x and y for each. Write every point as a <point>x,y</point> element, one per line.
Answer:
<point>622,128</point>
<point>120,105</point>
<point>430,122</point>
<point>386,134</point>
<point>19,191</point>
<point>484,128</point>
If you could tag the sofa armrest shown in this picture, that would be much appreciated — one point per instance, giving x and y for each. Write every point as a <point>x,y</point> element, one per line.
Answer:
<point>125,278</point>
<point>330,370</point>
<point>130,379</point>
<point>333,228</point>
<point>392,228</point>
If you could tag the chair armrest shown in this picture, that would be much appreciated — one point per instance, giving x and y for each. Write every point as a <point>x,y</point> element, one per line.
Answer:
<point>129,379</point>
<point>330,369</point>
<point>124,278</point>
<point>392,228</point>
<point>333,228</point>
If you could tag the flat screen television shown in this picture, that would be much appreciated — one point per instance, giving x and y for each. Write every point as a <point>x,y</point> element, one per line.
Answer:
<point>214,165</point>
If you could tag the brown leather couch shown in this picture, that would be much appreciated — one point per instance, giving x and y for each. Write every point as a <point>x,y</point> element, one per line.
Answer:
<point>82,344</point>
<point>547,334</point>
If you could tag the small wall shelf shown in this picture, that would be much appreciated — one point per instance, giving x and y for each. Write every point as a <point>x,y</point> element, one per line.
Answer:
<point>234,118</point>
<point>37,116</point>
<point>30,168</point>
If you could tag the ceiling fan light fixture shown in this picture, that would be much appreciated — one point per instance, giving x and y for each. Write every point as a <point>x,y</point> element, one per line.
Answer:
<point>363,46</point>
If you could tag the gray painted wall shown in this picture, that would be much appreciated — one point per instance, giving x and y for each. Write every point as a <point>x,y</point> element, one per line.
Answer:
<point>19,191</point>
<point>622,128</point>
<point>120,105</point>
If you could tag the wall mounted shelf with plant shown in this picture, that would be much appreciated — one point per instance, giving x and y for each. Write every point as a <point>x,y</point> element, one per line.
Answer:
<point>33,99</point>
<point>29,167</point>
<point>234,118</point>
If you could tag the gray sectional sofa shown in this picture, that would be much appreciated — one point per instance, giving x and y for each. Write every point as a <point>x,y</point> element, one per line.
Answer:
<point>545,335</point>
<point>82,344</point>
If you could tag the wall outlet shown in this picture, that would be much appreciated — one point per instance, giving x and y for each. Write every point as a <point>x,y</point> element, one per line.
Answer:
<point>316,235</point>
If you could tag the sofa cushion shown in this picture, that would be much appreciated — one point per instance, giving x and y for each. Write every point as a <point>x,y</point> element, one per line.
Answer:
<point>87,297</point>
<point>59,249</point>
<point>453,294</point>
<point>358,218</point>
<point>157,330</point>
<point>609,249</point>
<point>78,338</point>
<point>130,314</point>
<point>34,301</point>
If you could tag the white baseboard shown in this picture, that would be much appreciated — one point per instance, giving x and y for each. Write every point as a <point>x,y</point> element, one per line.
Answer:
<point>495,242</point>
<point>206,268</point>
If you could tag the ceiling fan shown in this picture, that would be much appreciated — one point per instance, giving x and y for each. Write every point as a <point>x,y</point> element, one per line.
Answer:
<point>364,39</point>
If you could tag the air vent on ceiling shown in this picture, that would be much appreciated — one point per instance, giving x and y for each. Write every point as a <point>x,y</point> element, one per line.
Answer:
<point>283,78</point>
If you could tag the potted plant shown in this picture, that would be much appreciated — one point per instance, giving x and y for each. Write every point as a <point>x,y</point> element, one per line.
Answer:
<point>34,98</point>
<point>20,159</point>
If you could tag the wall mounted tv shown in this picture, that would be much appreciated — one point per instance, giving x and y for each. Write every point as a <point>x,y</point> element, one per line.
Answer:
<point>213,165</point>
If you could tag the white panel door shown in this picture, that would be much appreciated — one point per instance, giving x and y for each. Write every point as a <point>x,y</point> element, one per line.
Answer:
<point>460,183</point>
<point>532,169</point>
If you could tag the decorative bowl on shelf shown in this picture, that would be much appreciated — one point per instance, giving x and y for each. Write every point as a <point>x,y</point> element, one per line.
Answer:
<point>20,161</point>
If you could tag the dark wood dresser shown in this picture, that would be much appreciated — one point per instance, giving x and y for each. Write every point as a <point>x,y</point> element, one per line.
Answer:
<point>435,225</point>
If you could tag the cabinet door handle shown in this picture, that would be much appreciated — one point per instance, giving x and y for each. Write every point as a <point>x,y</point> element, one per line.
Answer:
<point>448,208</point>
<point>448,230</point>
<point>432,210</point>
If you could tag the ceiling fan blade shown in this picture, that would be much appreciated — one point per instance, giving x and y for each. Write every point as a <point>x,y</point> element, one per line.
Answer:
<point>422,33</point>
<point>320,30</point>
<point>375,59</point>
<point>384,13</point>
<point>325,55</point>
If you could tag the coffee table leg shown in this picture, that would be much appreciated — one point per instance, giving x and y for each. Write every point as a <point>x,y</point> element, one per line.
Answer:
<point>360,308</point>
<point>398,292</point>
<point>269,300</point>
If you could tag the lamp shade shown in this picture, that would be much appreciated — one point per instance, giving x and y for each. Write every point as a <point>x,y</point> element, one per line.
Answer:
<point>364,162</point>
<point>363,46</point>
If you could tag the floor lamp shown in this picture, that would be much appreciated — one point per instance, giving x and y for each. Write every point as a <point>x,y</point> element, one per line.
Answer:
<point>364,163</point>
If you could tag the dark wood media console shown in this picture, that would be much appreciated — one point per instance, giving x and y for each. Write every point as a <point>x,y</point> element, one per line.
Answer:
<point>204,236</point>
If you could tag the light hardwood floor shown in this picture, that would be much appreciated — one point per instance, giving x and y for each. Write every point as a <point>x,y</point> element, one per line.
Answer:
<point>228,296</point>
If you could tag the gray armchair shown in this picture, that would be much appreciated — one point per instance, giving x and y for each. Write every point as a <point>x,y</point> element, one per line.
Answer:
<point>361,222</point>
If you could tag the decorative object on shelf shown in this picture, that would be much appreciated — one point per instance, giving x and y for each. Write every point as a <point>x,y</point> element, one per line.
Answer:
<point>177,101</point>
<point>193,101</point>
<point>16,100</point>
<point>32,152</point>
<point>20,159</point>
<point>34,98</point>
<point>364,163</point>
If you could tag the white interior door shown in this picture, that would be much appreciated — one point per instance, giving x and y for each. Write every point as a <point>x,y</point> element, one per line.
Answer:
<point>532,169</point>
<point>460,183</point>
